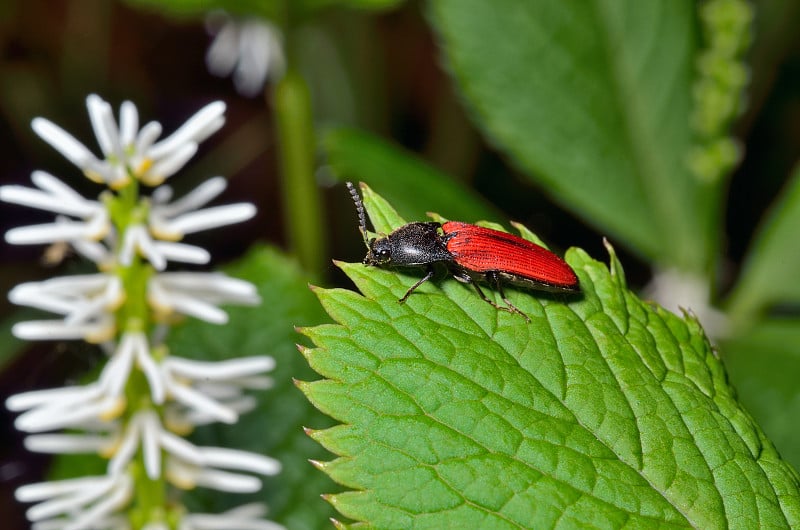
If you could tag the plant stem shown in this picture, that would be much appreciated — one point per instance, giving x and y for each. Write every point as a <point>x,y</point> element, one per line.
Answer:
<point>301,198</point>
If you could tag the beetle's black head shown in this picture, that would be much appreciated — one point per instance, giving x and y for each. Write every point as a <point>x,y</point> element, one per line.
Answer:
<point>379,252</point>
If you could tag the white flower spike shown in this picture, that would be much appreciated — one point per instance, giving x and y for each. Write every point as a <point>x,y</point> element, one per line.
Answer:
<point>127,150</point>
<point>144,399</point>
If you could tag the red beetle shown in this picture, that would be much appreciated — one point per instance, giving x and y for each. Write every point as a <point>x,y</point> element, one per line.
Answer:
<point>471,253</point>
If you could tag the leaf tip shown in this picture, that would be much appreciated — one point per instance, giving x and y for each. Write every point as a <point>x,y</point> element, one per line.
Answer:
<point>317,464</point>
<point>614,264</point>
<point>337,523</point>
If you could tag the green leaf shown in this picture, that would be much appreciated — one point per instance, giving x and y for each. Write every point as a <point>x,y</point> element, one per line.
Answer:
<point>591,99</point>
<point>196,8</point>
<point>273,9</point>
<point>409,182</point>
<point>603,411</point>
<point>771,274</point>
<point>275,427</point>
<point>763,363</point>
<point>368,5</point>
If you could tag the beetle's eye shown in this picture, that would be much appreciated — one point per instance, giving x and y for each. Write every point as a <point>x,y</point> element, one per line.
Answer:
<point>382,254</point>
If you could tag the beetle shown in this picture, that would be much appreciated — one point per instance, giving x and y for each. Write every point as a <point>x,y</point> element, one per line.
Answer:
<point>471,254</point>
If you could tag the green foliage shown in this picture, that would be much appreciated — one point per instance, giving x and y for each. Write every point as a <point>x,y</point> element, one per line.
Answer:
<point>193,8</point>
<point>359,156</point>
<point>592,101</point>
<point>603,411</point>
<point>274,428</point>
<point>273,9</point>
<point>770,273</point>
<point>764,363</point>
<point>722,76</point>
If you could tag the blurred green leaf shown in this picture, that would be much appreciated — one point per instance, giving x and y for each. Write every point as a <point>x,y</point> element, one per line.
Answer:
<point>591,99</point>
<point>764,364</point>
<point>603,411</point>
<point>353,4</point>
<point>771,274</point>
<point>275,427</point>
<point>193,8</point>
<point>407,180</point>
<point>273,9</point>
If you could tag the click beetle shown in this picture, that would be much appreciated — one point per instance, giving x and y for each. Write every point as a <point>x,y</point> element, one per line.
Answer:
<point>471,253</point>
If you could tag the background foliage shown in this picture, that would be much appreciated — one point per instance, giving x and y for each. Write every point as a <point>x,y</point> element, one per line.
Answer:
<point>579,119</point>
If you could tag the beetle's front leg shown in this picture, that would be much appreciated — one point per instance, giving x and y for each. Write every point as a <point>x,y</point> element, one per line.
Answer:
<point>427,277</point>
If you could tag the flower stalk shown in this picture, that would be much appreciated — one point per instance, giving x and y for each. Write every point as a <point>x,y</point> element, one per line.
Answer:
<point>145,399</point>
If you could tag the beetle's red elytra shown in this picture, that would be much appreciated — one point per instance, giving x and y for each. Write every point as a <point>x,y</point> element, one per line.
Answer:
<point>471,253</point>
<point>485,250</point>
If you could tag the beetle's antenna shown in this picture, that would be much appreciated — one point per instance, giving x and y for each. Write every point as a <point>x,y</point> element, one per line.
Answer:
<point>362,217</point>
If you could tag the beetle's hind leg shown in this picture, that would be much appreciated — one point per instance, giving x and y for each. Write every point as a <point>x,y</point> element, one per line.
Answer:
<point>494,281</point>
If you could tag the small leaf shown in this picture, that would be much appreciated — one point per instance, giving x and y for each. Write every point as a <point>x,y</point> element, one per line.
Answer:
<point>274,428</point>
<point>591,99</point>
<point>603,411</point>
<point>771,274</point>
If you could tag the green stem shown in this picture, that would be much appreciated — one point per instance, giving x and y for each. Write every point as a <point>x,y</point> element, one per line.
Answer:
<point>149,495</point>
<point>127,208</point>
<point>301,197</point>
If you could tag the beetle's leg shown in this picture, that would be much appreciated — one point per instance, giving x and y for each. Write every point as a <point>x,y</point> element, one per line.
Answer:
<point>424,279</point>
<point>494,280</point>
<point>463,277</point>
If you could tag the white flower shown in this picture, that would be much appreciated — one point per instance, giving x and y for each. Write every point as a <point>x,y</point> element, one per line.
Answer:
<point>90,405</point>
<point>77,504</point>
<point>251,49</point>
<point>247,517</point>
<point>55,196</point>
<point>197,294</point>
<point>130,151</point>
<point>65,408</point>
<point>171,221</point>
<point>188,465</point>
<point>212,391</point>
<point>137,240</point>
<point>84,234</point>
<point>86,301</point>
<point>198,392</point>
